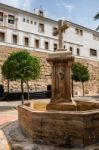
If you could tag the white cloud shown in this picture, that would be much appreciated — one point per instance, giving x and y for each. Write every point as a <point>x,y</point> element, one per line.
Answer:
<point>68,7</point>
<point>23,4</point>
<point>11,2</point>
<point>27,4</point>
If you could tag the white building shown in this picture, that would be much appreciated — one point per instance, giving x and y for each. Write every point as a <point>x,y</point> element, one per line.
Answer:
<point>34,31</point>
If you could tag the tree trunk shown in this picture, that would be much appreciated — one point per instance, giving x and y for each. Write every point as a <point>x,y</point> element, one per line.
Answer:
<point>72,89</point>
<point>22,90</point>
<point>8,86</point>
<point>8,89</point>
<point>83,88</point>
<point>35,87</point>
<point>28,96</point>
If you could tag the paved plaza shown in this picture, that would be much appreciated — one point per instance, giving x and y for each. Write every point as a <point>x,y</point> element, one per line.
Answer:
<point>6,118</point>
<point>8,113</point>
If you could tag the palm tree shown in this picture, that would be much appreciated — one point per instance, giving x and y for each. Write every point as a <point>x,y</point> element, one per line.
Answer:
<point>97,17</point>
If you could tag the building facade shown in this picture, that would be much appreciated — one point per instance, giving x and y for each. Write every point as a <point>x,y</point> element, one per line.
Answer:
<point>34,31</point>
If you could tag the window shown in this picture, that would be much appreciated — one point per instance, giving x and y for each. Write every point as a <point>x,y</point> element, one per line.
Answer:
<point>64,46</point>
<point>28,21</point>
<point>54,30</point>
<point>11,19</point>
<point>35,23</point>
<point>46,45</point>
<point>2,37</point>
<point>96,37</point>
<point>31,22</point>
<point>79,31</point>
<point>78,51</point>
<point>1,16</point>
<point>41,27</point>
<point>55,46</point>
<point>93,52</point>
<point>23,19</point>
<point>71,49</point>
<point>14,39</point>
<point>41,13</point>
<point>26,41</point>
<point>37,43</point>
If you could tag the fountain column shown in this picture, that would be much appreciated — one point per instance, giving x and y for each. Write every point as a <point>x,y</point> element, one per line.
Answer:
<point>61,62</point>
<point>61,76</point>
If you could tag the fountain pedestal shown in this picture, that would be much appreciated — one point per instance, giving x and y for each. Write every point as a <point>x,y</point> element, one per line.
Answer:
<point>61,62</point>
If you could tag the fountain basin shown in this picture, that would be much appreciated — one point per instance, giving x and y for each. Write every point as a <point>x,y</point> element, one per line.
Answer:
<point>76,129</point>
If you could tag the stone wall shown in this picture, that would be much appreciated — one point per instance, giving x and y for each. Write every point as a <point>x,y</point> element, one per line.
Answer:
<point>39,84</point>
<point>91,87</point>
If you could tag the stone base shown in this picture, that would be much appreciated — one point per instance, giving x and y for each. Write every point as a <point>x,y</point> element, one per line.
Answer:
<point>76,129</point>
<point>87,105</point>
<point>62,106</point>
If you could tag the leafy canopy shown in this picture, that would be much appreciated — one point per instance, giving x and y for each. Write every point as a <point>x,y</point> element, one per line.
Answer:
<point>80,72</point>
<point>21,65</point>
<point>95,18</point>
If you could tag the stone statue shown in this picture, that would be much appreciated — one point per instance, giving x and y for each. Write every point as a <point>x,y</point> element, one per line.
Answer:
<point>62,26</point>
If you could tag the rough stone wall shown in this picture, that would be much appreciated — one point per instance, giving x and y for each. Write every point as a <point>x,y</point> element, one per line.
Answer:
<point>91,87</point>
<point>39,84</point>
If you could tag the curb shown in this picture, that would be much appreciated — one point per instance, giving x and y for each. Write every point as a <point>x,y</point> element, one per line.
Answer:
<point>7,124</point>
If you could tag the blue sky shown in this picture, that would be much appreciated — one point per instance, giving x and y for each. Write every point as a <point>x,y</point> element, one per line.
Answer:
<point>77,11</point>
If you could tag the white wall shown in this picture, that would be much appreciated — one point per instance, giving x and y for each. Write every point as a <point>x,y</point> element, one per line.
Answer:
<point>84,43</point>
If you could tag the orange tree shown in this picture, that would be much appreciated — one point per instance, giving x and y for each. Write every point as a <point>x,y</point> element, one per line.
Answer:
<point>21,66</point>
<point>80,73</point>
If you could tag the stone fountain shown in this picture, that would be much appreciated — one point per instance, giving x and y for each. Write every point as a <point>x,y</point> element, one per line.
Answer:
<point>61,121</point>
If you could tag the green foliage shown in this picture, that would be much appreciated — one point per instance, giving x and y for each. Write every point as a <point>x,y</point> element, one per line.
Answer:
<point>95,18</point>
<point>21,65</point>
<point>80,73</point>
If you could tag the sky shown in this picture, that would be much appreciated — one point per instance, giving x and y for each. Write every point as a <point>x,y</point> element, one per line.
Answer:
<point>81,12</point>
